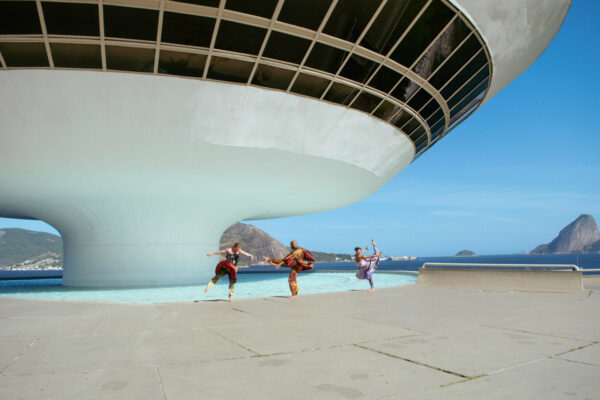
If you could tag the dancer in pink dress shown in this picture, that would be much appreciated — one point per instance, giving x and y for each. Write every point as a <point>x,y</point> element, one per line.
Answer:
<point>367,264</point>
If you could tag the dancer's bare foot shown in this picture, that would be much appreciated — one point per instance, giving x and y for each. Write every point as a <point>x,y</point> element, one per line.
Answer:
<point>206,290</point>
<point>292,296</point>
<point>371,290</point>
<point>230,299</point>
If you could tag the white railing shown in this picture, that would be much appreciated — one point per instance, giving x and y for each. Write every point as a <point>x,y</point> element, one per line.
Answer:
<point>562,267</point>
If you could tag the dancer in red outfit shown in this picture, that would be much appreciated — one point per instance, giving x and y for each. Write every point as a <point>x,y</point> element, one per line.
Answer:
<point>297,260</point>
<point>228,266</point>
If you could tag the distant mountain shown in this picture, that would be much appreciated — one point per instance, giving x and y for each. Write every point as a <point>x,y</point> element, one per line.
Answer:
<point>18,245</point>
<point>260,243</point>
<point>465,253</point>
<point>580,235</point>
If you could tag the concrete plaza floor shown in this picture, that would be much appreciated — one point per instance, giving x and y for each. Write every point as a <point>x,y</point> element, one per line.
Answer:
<point>411,342</point>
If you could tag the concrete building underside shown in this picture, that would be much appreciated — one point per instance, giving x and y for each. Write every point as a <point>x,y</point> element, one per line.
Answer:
<point>141,130</point>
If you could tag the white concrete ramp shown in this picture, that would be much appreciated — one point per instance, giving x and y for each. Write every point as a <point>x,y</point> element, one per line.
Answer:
<point>503,280</point>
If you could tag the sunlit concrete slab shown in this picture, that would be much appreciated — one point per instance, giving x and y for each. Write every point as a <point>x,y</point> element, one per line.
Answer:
<point>547,379</point>
<point>346,372</point>
<point>461,351</point>
<point>106,352</point>
<point>135,383</point>
<point>308,333</point>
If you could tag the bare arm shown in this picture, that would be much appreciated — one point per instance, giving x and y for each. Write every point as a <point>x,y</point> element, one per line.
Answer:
<point>247,254</point>
<point>217,252</point>
<point>373,255</point>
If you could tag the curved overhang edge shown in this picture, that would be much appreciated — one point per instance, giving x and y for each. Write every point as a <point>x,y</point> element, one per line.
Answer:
<point>508,63</point>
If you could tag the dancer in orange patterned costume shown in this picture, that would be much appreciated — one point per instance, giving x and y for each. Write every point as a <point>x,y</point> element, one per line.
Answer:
<point>228,266</point>
<point>297,260</point>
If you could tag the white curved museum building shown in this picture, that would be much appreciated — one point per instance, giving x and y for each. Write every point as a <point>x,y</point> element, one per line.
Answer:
<point>142,129</point>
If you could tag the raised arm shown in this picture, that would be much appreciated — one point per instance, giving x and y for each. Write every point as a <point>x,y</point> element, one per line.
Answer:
<point>217,252</point>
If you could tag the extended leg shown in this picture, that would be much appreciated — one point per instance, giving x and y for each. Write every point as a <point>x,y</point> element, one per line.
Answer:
<point>293,283</point>
<point>231,289</point>
<point>215,279</point>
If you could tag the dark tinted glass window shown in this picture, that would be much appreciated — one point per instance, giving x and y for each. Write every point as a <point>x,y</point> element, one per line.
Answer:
<point>341,94</point>
<point>456,62</point>
<point>464,112</point>
<point>419,99</point>
<point>429,109</point>
<point>401,118</point>
<point>467,88</point>
<point>187,29</point>
<point>419,133</point>
<point>442,48</point>
<point>422,33</point>
<point>262,8</point>
<point>24,54</point>
<point>366,102</point>
<point>240,38</point>
<point>310,85</point>
<point>358,68</point>
<point>385,79</point>
<point>272,77</point>
<point>435,118</point>
<point>438,128</point>
<point>391,23</point>
<point>325,58</point>
<point>185,64</point>
<point>411,126</point>
<point>208,3</point>
<point>386,110</point>
<point>130,23</point>
<point>472,95</point>
<point>420,141</point>
<point>19,18</point>
<point>349,18</point>
<point>464,75</point>
<point>305,13</point>
<point>226,69</point>
<point>286,47</point>
<point>76,55</point>
<point>405,89</point>
<point>71,19</point>
<point>129,59</point>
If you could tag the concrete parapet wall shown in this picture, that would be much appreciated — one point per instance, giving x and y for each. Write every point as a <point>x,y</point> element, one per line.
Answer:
<point>486,279</point>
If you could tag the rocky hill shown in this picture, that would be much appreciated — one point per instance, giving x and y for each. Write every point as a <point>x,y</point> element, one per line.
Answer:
<point>253,241</point>
<point>260,243</point>
<point>18,245</point>
<point>580,235</point>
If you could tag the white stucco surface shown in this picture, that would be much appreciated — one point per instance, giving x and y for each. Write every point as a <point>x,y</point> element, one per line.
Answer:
<point>142,174</point>
<point>515,31</point>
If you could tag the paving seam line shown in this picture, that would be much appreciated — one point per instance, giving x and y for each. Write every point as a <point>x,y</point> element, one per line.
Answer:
<point>30,345</point>
<point>415,362</point>
<point>534,333</point>
<point>233,341</point>
<point>160,383</point>
<point>575,349</point>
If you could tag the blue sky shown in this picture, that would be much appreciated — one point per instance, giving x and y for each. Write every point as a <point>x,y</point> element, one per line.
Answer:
<point>507,179</point>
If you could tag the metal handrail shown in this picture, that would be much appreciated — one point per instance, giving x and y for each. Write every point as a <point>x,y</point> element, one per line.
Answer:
<point>526,266</point>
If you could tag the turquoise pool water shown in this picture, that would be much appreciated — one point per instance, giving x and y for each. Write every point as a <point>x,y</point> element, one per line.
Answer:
<point>248,285</point>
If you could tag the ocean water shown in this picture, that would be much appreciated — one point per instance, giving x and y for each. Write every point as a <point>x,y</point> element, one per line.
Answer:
<point>248,285</point>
